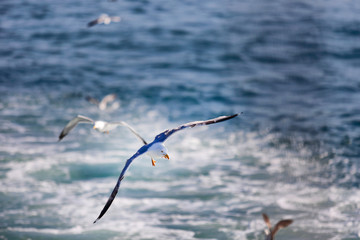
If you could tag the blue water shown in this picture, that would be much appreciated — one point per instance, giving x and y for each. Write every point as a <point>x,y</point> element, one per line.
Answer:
<point>292,67</point>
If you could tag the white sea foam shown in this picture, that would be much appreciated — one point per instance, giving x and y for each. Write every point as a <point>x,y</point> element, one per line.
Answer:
<point>211,175</point>
<point>74,230</point>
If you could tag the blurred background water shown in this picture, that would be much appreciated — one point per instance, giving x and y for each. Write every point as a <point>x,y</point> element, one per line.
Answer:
<point>292,67</point>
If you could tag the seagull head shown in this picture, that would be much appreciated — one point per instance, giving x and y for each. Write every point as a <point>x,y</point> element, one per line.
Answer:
<point>164,153</point>
<point>158,150</point>
<point>99,125</point>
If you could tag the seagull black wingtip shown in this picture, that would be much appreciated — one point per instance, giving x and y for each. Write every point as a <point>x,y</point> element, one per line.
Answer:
<point>61,137</point>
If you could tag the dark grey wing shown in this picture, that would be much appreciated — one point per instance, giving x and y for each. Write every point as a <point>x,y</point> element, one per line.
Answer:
<point>142,150</point>
<point>93,23</point>
<point>167,133</point>
<point>131,129</point>
<point>73,123</point>
<point>92,100</point>
<point>281,224</point>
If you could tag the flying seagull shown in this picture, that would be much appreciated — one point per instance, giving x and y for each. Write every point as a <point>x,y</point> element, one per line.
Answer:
<point>100,126</point>
<point>270,233</point>
<point>157,149</point>
<point>104,19</point>
<point>104,102</point>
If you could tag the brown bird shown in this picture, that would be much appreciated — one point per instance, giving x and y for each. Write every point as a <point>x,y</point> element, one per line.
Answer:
<point>270,232</point>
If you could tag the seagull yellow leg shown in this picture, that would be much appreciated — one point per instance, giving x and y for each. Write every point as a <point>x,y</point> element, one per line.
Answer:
<point>153,162</point>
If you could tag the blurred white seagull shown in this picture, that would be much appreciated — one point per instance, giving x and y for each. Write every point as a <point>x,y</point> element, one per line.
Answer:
<point>157,149</point>
<point>104,19</point>
<point>103,104</point>
<point>100,126</point>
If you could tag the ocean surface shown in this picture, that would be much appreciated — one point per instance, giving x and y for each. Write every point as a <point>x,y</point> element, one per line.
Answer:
<point>292,68</point>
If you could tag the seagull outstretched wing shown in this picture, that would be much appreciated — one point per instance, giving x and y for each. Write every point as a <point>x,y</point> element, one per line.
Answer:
<point>73,123</point>
<point>92,100</point>
<point>167,133</point>
<point>281,224</point>
<point>142,150</point>
<point>266,220</point>
<point>122,123</point>
<point>93,23</point>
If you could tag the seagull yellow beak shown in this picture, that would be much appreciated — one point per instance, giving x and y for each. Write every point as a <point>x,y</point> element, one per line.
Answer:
<point>94,127</point>
<point>166,156</point>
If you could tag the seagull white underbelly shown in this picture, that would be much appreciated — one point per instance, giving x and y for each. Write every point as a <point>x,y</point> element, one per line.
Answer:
<point>109,127</point>
<point>103,127</point>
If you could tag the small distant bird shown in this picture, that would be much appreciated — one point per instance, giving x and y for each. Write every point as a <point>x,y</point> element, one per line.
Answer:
<point>270,233</point>
<point>157,149</point>
<point>100,126</point>
<point>104,102</point>
<point>104,19</point>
